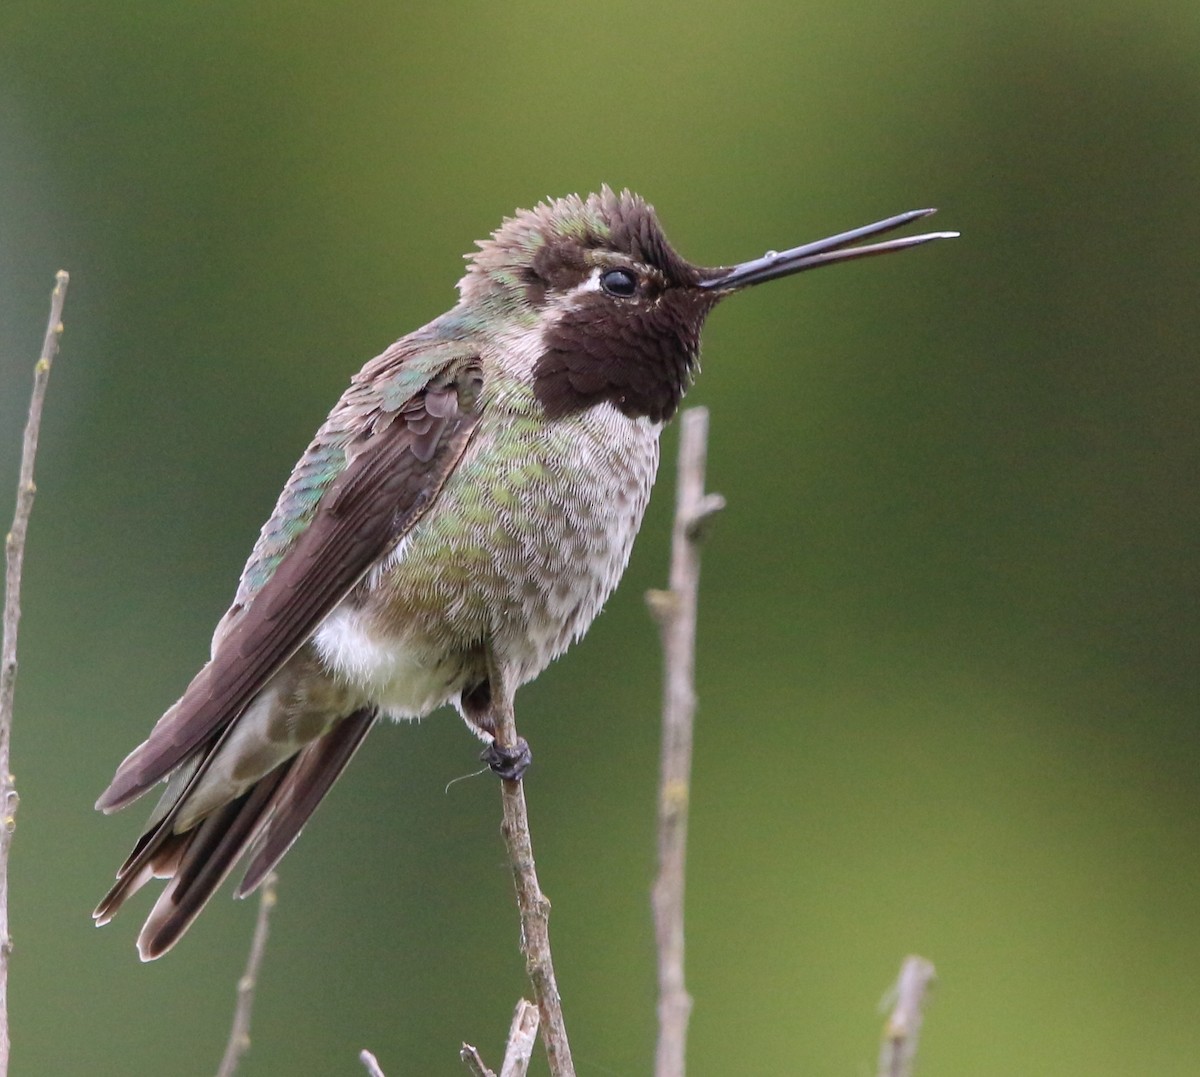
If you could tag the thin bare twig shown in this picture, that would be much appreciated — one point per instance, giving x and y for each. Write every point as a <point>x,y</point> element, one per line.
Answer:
<point>14,557</point>
<point>474,1061</point>
<point>533,905</point>
<point>675,612</point>
<point>899,1048</point>
<point>239,1034</point>
<point>371,1063</point>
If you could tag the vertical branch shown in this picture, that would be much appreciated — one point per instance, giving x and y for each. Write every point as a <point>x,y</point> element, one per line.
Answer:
<point>675,612</point>
<point>239,1033</point>
<point>14,557</point>
<point>903,1028</point>
<point>533,904</point>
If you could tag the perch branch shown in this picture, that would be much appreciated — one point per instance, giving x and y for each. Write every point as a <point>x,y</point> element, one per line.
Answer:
<point>239,1034</point>
<point>903,1027</point>
<point>675,612</point>
<point>533,905</point>
<point>14,557</point>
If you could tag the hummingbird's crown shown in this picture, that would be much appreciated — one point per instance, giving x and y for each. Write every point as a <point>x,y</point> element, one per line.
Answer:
<point>546,243</point>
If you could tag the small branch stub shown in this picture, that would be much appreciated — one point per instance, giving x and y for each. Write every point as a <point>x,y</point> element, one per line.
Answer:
<point>674,610</point>
<point>14,558</point>
<point>471,1058</point>
<point>709,506</point>
<point>370,1062</point>
<point>522,1036</point>
<point>898,1051</point>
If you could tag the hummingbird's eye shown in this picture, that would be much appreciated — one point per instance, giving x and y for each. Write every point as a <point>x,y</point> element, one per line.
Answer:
<point>618,282</point>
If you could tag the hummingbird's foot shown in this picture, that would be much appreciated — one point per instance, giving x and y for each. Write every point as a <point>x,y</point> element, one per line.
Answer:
<point>509,762</point>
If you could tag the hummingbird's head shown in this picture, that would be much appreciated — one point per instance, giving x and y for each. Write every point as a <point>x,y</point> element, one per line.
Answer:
<point>616,310</point>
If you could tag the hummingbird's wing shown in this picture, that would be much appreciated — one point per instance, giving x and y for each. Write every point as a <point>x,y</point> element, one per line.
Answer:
<point>374,468</point>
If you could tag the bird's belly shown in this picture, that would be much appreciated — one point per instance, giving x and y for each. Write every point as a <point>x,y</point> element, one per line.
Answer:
<point>391,671</point>
<point>526,541</point>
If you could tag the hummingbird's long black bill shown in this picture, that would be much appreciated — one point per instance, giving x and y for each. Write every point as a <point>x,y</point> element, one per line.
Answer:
<point>824,252</point>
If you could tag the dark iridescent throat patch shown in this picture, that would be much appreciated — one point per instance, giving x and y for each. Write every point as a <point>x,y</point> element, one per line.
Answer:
<point>637,352</point>
<point>638,357</point>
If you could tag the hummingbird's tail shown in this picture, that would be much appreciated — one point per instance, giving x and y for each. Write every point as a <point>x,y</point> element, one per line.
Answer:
<point>264,822</point>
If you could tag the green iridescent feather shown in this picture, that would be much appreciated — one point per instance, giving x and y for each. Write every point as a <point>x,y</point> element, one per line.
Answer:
<point>382,387</point>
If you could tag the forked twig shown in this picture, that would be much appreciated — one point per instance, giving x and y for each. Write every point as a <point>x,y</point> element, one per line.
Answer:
<point>522,1035</point>
<point>675,612</point>
<point>14,557</point>
<point>239,1033</point>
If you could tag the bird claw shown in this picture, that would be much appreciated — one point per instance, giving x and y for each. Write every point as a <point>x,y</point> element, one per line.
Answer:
<point>508,761</point>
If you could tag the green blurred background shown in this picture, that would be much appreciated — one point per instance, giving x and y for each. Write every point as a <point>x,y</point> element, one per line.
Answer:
<point>947,662</point>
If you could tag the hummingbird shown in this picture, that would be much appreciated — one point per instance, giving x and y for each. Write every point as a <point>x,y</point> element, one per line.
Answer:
<point>456,523</point>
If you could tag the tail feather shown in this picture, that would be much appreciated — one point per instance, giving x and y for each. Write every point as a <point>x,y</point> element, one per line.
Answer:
<point>265,820</point>
<point>213,848</point>
<point>316,769</point>
<point>156,855</point>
